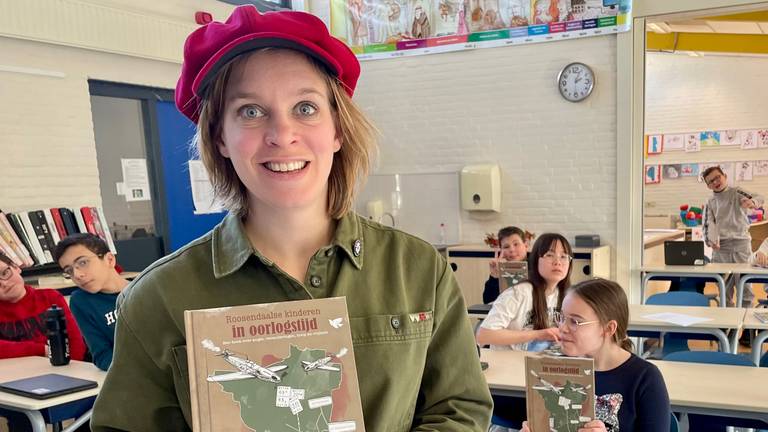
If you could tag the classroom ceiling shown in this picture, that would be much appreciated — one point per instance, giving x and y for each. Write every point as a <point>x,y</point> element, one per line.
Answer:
<point>745,33</point>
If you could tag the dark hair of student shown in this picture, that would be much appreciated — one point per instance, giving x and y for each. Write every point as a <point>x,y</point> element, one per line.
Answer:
<point>6,259</point>
<point>609,302</point>
<point>91,242</point>
<point>709,171</point>
<point>510,231</point>
<point>545,243</point>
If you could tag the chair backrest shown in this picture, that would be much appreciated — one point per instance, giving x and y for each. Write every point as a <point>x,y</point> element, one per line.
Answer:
<point>711,357</point>
<point>673,425</point>
<point>678,298</point>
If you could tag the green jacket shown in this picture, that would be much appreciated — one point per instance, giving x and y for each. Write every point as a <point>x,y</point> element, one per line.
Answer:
<point>414,374</point>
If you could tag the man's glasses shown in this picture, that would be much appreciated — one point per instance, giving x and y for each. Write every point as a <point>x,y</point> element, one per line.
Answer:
<point>552,257</point>
<point>571,322</point>
<point>79,264</point>
<point>6,273</point>
<point>713,179</point>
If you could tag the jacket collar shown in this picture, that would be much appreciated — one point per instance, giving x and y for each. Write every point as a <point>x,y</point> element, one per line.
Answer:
<point>230,247</point>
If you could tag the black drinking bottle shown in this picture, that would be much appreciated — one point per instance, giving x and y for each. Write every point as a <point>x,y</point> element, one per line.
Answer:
<point>58,339</point>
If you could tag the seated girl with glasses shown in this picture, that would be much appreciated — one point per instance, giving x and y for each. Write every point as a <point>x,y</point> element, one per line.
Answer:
<point>522,317</point>
<point>631,394</point>
<point>86,259</point>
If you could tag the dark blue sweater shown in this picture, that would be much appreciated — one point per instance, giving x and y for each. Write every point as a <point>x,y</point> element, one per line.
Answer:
<point>96,316</point>
<point>634,396</point>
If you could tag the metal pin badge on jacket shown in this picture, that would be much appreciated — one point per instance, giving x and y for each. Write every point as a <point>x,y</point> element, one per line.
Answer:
<point>357,246</point>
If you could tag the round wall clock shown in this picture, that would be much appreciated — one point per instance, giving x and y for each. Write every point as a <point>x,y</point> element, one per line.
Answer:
<point>576,81</point>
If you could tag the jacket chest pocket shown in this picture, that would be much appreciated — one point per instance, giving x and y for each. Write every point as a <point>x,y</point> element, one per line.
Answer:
<point>390,354</point>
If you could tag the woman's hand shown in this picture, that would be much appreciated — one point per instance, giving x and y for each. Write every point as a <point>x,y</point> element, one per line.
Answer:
<point>593,426</point>
<point>548,334</point>
<point>494,264</point>
<point>525,427</point>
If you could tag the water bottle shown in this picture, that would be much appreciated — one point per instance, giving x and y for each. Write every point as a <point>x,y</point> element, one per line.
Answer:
<point>58,339</point>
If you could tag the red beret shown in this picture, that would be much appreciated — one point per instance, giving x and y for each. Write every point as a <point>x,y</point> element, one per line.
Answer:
<point>215,44</point>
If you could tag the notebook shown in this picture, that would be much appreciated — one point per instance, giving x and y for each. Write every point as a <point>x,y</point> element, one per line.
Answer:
<point>47,386</point>
<point>684,252</point>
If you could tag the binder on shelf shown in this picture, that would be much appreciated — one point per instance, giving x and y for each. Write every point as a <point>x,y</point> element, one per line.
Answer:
<point>38,220</point>
<point>51,228</point>
<point>68,218</point>
<point>80,222</point>
<point>37,248</point>
<point>56,216</point>
<point>18,228</point>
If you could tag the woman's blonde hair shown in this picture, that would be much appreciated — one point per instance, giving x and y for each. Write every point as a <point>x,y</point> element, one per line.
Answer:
<point>351,163</point>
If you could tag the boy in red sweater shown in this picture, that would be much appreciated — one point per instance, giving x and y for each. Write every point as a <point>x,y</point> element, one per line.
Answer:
<point>22,316</point>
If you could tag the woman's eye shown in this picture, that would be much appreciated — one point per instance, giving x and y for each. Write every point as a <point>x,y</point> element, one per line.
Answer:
<point>306,109</point>
<point>250,112</point>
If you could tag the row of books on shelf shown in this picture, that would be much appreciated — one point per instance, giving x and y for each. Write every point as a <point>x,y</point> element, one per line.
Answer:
<point>29,237</point>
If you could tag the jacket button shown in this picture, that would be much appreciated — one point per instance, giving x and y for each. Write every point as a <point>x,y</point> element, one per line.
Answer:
<point>315,281</point>
<point>395,321</point>
<point>357,247</point>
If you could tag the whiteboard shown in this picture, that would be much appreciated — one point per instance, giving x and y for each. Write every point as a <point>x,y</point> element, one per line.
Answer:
<point>426,201</point>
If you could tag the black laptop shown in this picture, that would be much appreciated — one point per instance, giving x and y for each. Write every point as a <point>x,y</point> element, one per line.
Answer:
<point>47,386</point>
<point>684,253</point>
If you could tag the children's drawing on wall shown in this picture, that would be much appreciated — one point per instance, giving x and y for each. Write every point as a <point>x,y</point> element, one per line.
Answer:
<point>419,13</point>
<point>359,17</point>
<point>762,138</point>
<point>652,174</point>
<point>485,15</point>
<point>549,11</point>
<point>710,139</point>
<point>748,139</point>
<point>671,172</point>
<point>730,137</point>
<point>689,170</point>
<point>516,12</point>
<point>760,168</point>
<point>655,144</point>
<point>673,142</point>
<point>450,18</point>
<point>388,23</point>
<point>692,143</point>
<point>744,171</point>
<point>590,9</point>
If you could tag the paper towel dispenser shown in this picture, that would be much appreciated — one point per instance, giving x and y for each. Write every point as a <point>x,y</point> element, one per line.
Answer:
<point>481,187</point>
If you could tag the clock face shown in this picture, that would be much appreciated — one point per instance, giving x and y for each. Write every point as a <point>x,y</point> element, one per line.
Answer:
<point>576,82</point>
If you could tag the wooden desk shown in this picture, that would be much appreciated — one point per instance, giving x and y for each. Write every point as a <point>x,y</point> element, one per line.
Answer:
<point>716,271</point>
<point>25,367</point>
<point>721,318</point>
<point>752,323</point>
<point>693,387</point>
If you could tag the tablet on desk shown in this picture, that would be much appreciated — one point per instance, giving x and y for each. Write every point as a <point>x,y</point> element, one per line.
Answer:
<point>47,386</point>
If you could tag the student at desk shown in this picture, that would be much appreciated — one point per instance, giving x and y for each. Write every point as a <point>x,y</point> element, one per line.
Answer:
<point>630,392</point>
<point>513,246</point>
<point>22,325</point>
<point>87,260</point>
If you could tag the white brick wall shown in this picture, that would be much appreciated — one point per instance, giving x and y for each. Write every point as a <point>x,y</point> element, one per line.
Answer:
<point>47,144</point>
<point>702,93</point>
<point>440,112</point>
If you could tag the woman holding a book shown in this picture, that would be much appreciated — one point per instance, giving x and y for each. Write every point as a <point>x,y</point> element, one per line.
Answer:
<point>630,392</point>
<point>285,148</point>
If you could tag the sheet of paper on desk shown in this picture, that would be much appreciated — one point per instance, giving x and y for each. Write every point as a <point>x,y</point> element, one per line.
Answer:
<point>676,318</point>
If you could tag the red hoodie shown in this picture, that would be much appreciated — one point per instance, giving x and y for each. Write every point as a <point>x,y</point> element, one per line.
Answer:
<point>22,325</point>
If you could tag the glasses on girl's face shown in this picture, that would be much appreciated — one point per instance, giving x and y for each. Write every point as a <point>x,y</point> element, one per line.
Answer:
<point>552,257</point>
<point>571,322</point>
<point>79,264</point>
<point>6,273</point>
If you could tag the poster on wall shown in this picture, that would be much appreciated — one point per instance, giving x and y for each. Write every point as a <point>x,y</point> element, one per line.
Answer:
<point>744,171</point>
<point>730,137</point>
<point>376,29</point>
<point>748,139</point>
<point>655,144</point>
<point>709,139</point>
<point>671,172</point>
<point>760,168</point>
<point>692,142</point>
<point>762,138</point>
<point>689,170</point>
<point>135,179</point>
<point>652,174</point>
<point>674,142</point>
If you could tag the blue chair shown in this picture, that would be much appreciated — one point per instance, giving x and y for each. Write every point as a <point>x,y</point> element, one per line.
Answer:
<point>674,342</point>
<point>706,423</point>
<point>673,425</point>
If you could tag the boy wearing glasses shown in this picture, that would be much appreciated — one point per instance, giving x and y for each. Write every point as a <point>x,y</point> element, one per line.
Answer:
<point>726,224</point>
<point>86,259</point>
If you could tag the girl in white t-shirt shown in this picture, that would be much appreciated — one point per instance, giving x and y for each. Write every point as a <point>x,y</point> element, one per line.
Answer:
<point>522,316</point>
